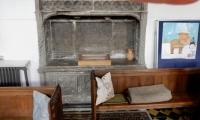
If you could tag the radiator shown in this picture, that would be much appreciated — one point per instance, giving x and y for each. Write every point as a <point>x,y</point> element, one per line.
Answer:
<point>9,76</point>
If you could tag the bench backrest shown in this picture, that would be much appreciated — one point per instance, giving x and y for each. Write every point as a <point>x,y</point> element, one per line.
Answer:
<point>175,79</point>
<point>18,101</point>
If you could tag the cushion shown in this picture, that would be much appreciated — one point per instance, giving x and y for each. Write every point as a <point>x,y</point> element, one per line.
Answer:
<point>149,94</point>
<point>40,106</point>
<point>105,89</point>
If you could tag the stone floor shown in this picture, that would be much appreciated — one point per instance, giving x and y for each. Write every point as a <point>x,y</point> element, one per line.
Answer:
<point>172,113</point>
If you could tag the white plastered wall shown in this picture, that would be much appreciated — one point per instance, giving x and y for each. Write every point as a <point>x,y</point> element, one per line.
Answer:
<point>18,34</point>
<point>18,30</point>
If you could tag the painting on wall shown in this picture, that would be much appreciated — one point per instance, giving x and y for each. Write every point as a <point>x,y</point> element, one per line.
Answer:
<point>177,44</point>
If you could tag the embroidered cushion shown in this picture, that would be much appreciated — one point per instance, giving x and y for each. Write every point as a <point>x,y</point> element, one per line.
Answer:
<point>105,89</point>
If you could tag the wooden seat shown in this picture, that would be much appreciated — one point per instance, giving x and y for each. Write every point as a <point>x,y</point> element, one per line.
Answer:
<point>178,100</point>
<point>184,83</point>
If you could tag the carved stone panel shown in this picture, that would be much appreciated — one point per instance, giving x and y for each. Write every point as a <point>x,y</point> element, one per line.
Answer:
<point>68,83</point>
<point>61,33</point>
<point>69,38</point>
<point>124,35</point>
<point>88,5</point>
<point>74,86</point>
<point>93,37</point>
<point>82,83</point>
<point>87,80</point>
<point>66,5</point>
<point>116,5</point>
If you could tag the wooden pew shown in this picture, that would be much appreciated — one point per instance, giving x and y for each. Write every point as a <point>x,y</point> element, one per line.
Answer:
<point>16,103</point>
<point>184,83</point>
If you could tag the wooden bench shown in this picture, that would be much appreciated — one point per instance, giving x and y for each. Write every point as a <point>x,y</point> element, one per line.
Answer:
<point>184,83</point>
<point>16,103</point>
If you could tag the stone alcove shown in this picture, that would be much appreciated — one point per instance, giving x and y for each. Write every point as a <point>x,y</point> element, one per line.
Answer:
<point>67,28</point>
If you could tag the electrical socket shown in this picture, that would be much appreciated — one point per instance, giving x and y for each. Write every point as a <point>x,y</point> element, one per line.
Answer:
<point>1,57</point>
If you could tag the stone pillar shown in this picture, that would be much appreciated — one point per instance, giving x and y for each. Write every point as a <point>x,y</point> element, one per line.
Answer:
<point>41,38</point>
<point>143,22</point>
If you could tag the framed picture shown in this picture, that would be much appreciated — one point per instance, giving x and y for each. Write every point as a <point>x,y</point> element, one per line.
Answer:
<point>177,44</point>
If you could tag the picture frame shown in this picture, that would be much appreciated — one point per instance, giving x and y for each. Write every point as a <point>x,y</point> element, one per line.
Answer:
<point>177,44</point>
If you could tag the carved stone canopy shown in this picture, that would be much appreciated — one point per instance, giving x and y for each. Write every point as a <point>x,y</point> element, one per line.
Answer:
<point>175,2</point>
<point>67,28</point>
